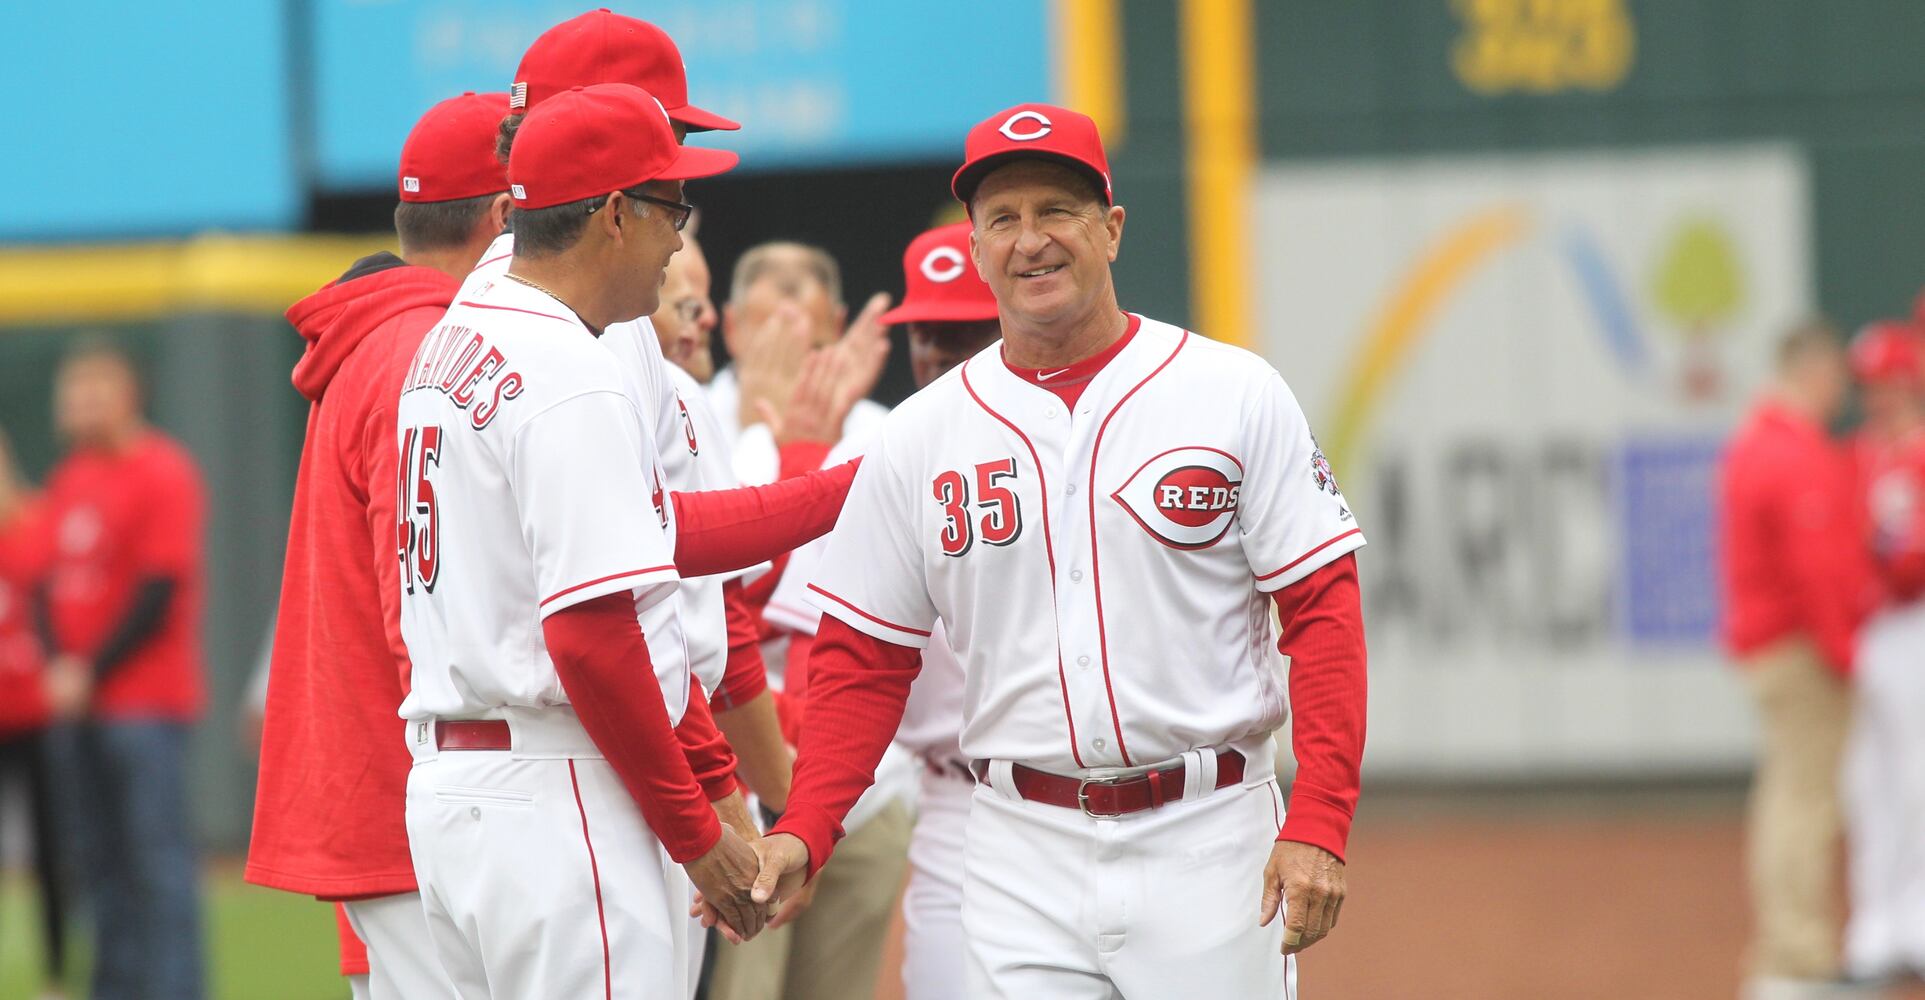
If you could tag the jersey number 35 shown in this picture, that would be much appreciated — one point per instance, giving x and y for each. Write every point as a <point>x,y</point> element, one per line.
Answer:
<point>1002,517</point>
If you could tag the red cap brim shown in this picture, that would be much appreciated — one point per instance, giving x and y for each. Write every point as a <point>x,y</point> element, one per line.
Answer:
<point>969,175</point>
<point>939,312</point>
<point>695,161</point>
<point>697,120</point>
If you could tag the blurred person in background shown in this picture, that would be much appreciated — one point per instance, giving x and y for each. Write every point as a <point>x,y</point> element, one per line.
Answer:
<point>785,303</point>
<point>800,383</point>
<point>1797,583</point>
<point>330,804</point>
<point>119,616</point>
<point>24,712</point>
<point>1885,757</point>
<point>685,323</point>
<point>951,315</point>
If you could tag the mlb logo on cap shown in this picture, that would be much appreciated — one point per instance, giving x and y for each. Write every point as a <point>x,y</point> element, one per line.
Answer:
<point>412,185</point>
<point>519,194</point>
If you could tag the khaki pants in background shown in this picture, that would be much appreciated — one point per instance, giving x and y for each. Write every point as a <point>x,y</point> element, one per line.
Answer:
<point>1804,710</point>
<point>834,950</point>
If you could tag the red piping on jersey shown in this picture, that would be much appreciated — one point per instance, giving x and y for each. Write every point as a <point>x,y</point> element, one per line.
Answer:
<point>514,309</point>
<point>612,576</point>
<point>1095,572</point>
<point>1292,564</point>
<point>491,260</point>
<point>1049,552</point>
<point>594,870</point>
<point>879,621</point>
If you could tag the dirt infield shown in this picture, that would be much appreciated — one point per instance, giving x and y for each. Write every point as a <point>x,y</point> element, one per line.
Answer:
<point>1535,896</point>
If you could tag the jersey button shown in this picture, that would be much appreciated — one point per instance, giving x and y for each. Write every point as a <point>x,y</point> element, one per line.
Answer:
<point>1050,414</point>
<point>1076,575</point>
<point>1099,743</point>
<point>1082,661</point>
<point>1070,489</point>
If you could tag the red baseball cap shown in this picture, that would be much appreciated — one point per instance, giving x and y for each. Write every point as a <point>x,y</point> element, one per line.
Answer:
<point>450,153</point>
<point>941,284</point>
<point>604,47</point>
<point>1889,351</point>
<point>1033,131</point>
<point>590,141</point>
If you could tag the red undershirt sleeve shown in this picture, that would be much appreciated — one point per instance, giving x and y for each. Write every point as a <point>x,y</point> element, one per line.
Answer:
<point>720,531</point>
<point>1323,634</point>
<point>603,664</point>
<point>708,751</point>
<point>746,675</point>
<point>857,687</point>
<point>800,458</point>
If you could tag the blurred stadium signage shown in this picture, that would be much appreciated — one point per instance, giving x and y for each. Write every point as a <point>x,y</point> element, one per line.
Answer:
<point>814,82</point>
<point>1523,368</point>
<point>1543,46</point>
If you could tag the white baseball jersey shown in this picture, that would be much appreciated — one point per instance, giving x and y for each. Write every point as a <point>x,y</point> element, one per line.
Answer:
<point>529,483</point>
<point>1101,573</point>
<point>932,720</point>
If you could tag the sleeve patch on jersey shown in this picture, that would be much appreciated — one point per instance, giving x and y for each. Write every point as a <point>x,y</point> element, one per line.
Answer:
<point>1320,470</point>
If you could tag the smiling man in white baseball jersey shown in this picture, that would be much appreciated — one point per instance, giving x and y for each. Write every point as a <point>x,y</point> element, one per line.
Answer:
<point>1099,512</point>
<point>550,801</point>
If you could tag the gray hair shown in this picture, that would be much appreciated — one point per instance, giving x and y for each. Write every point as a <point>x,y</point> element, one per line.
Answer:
<point>765,260</point>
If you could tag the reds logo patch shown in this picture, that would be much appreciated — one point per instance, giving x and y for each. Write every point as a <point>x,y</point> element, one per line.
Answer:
<point>1185,497</point>
<point>688,426</point>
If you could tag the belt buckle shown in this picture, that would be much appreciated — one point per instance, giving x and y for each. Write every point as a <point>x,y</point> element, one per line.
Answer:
<point>1082,797</point>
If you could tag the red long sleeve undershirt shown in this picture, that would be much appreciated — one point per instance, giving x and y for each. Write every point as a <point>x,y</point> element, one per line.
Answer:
<point>746,675</point>
<point>720,531</point>
<point>708,752</point>
<point>857,686</point>
<point>599,654</point>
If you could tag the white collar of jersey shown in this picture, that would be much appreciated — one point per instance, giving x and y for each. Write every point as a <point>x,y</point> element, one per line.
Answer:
<point>1001,388</point>
<point>503,292</point>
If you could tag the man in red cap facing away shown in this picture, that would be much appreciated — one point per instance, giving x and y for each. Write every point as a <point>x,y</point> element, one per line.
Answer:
<point>1797,584</point>
<point>1884,774</point>
<point>951,316</point>
<point>1099,513</point>
<point>554,819</point>
<point>328,810</point>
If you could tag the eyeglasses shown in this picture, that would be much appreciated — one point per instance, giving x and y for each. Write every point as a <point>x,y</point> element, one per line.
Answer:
<point>678,211</point>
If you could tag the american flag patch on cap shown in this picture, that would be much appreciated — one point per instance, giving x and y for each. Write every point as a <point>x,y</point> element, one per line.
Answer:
<point>518,95</point>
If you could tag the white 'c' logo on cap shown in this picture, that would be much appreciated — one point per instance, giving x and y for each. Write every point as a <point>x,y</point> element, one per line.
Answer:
<point>943,265</point>
<point>1008,128</point>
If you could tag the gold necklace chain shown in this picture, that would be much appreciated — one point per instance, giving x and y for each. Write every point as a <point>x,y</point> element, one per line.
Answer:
<point>536,286</point>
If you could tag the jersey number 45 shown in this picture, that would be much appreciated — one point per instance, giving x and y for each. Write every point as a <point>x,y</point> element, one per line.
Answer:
<point>1002,518</point>
<point>417,534</point>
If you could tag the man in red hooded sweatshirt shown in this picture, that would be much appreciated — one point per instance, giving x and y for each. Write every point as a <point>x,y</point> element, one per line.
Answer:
<point>328,810</point>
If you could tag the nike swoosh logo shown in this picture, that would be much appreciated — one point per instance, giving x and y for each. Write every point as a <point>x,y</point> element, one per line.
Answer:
<point>1046,376</point>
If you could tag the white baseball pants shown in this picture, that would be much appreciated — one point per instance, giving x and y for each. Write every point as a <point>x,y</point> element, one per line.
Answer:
<point>401,957</point>
<point>539,878</point>
<point>1161,903</point>
<point>932,959</point>
<point>1884,791</point>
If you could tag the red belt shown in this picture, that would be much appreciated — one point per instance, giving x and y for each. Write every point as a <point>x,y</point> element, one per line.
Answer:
<point>482,734</point>
<point>1112,796</point>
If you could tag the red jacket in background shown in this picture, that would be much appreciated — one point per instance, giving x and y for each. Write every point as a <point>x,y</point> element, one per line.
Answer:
<point>329,810</point>
<point>1892,481</point>
<point>1794,560</point>
<point>23,556</point>
<point>119,518</point>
